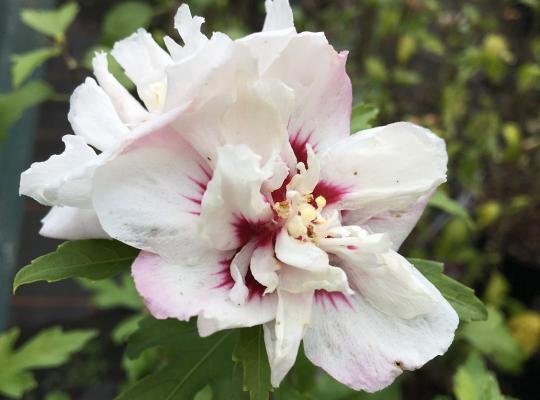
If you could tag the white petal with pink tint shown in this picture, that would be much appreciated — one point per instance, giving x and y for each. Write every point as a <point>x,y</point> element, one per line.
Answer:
<point>63,179</point>
<point>233,197</point>
<point>70,223</point>
<point>130,111</point>
<point>386,168</point>
<point>92,116</point>
<point>279,15</point>
<point>149,196</point>
<point>282,336</point>
<point>367,349</point>
<point>299,254</point>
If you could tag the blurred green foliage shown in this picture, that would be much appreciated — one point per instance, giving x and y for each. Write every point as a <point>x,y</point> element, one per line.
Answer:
<point>469,71</point>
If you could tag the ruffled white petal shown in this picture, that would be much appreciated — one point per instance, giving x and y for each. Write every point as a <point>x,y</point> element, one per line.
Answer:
<point>397,224</point>
<point>149,196</point>
<point>144,63</point>
<point>189,28</point>
<point>92,116</point>
<point>367,349</point>
<point>387,168</point>
<point>282,337</point>
<point>279,15</point>
<point>300,254</point>
<point>233,197</point>
<point>70,223</point>
<point>64,179</point>
<point>130,111</point>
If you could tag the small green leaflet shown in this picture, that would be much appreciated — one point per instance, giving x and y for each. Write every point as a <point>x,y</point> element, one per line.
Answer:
<point>467,305</point>
<point>473,381</point>
<point>108,293</point>
<point>50,348</point>
<point>251,352</point>
<point>494,340</point>
<point>52,23</point>
<point>25,64</point>
<point>123,19</point>
<point>193,362</point>
<point>362,117</point>
<point>441,201</point>
<point>92,259</point>
<point>13,105</point>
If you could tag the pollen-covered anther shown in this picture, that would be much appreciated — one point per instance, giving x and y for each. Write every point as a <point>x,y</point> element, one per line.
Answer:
<point>282,209</point>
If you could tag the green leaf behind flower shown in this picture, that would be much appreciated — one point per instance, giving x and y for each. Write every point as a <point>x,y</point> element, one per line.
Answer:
<point>52,23</point>
<point>25,64</point>
<point>192,362</point>
<point>363,116</point>
<point>50,348</point>
<point>462,298</point>
<point>92,259</point>
<point>473,381</point>
<point>251,353</point>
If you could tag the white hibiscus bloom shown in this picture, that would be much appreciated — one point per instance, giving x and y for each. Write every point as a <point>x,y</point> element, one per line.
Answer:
<point>253,205</point>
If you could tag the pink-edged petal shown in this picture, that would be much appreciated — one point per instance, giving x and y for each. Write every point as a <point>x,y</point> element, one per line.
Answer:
<point>64,179</point>
<point>367,349</point>
<point>282,337</point>
<point>70,223</point>
<point>233,205</point>
<point>149,196</point>
<point>197,288</point>
<point>323,94</point>
<point>300,254</point>
<point>397,224</point>
<point>388,168</point>
<point>92,116</point>
<point>279,15</point>
<point>130,111</point>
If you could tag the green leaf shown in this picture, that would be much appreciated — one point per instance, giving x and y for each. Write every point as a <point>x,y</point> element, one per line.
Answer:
<point>441,201</point>
<point>125,18</point>
<point>473,381</point>
<point>251,352</point>
<point>108,294</point>
<point>25,64</point>
<point>50,348</point>
<point>461,298</point>
<point>193,363</point>
<point>493,339</point>
<point>13,105</point>
<point>362,117</point>
<point>52,23</point>
<point>125,328</point>
<point>93,259</point>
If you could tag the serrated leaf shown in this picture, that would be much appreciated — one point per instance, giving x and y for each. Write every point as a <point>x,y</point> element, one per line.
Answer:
<point>362,116</point>
<point>50,348</point>
<point>52,23</point>
<point>493,339</point>
<point>13,105</point>
<point>193,361</point>
<point>251,353</point>
<point>123,19</point>
<point>24,64</point>
<point>461,298</point>
<point>441,201</point>
<point>92,259</point>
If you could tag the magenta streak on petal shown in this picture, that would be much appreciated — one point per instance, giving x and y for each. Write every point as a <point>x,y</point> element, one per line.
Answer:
<point>193,199</point>
<point>352,247</point>
<point>281,193</point>
<point>298,143</point>
<point>330,191</point>
<point>227,280</point>
<point>246,230</point>
<point>323,297</point>
<point>256,290</point>
<point>200,184</point>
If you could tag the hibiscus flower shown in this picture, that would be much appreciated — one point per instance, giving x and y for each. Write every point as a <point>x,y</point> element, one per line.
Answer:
<point>252,203</point>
